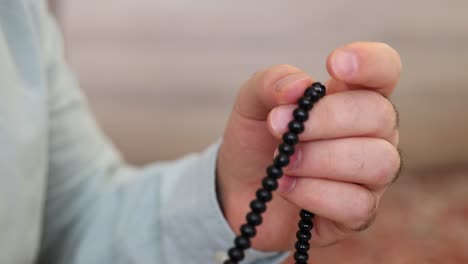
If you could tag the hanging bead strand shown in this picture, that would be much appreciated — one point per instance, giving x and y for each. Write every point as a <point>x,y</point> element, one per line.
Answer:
<point>258,206</point>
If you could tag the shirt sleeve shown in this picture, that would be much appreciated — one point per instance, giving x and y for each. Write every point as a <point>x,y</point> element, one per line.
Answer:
<point>99,209</point>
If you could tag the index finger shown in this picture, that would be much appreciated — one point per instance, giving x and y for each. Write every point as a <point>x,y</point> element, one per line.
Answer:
<point>369,65</point>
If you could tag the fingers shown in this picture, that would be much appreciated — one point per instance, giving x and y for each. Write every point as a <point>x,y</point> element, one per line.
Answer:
<point>371,65</point>
<point>349,204</point>
<point>357,113</point>
<point>367,161</point>
<point>360,65</point>
<point>278,85</point>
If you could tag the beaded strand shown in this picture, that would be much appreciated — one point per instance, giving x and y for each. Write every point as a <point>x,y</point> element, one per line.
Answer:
<point>270,183</point>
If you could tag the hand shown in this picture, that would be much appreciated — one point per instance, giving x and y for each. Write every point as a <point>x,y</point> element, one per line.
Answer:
<point>347,156</point>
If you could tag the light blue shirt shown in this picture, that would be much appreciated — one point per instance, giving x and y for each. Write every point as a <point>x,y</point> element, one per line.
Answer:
<point>66,196</point>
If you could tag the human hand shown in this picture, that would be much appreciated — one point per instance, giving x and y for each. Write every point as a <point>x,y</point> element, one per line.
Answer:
<point>345,160</point>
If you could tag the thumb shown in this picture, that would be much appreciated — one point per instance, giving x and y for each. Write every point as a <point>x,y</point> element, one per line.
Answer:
<point>278,85</point>
<point>248,145</point>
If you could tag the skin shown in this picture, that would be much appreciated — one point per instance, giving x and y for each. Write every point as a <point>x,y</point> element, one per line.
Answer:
<point>346,159</point>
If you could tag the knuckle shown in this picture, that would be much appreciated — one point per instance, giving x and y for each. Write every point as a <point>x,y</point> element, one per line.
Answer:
<point>395,164</point>
<point>390,164</point>
<point>386,114</point>
<point>365,211</point>
<point>399,168</point>
<point>396,169</point>
<point>396,116</point>
<point>366,224</point>
<point>390,112</point>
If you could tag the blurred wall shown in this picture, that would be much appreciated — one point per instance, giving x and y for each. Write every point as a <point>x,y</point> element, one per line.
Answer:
<point>162,75</point>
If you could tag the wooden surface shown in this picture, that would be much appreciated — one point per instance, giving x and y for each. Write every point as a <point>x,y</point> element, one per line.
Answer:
<point>165,72</point>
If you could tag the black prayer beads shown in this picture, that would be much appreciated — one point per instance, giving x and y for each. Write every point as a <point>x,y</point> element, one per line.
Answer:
<point>270,183</point>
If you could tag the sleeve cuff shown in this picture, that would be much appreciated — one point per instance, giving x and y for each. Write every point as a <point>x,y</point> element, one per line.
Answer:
<point>193,224</point>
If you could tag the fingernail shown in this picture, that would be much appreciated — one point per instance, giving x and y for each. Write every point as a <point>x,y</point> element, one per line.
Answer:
<point>344,63</point>
<point>286,184</point>
<point>279,119</point>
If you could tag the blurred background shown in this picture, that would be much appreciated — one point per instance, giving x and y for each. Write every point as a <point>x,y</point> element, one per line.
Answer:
<point>159,72</point>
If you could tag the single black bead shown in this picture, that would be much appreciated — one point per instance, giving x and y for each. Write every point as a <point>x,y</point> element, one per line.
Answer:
<point>248,230</point>
<point>312,94</point>
<point>305,225</point>
<point>305,103</point>
<point>281,160</point>
<point>300,115</point>
<point>270,184</point>
<point>258,206</point>
<point>274,172</point>
<point>242,242</point>
<point>296,127</point>
<point>301,257</point>
<point>303,236</point>
<point>264,195</point>
<point>290,138</point>
<point>230,262</point>
<point>306,215</point>
<point>286,149</point>
<point>308,91</point>
<point>302,246</point>
<point>320,88</point>
<point>236,254</point>
<point>254,219</point>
